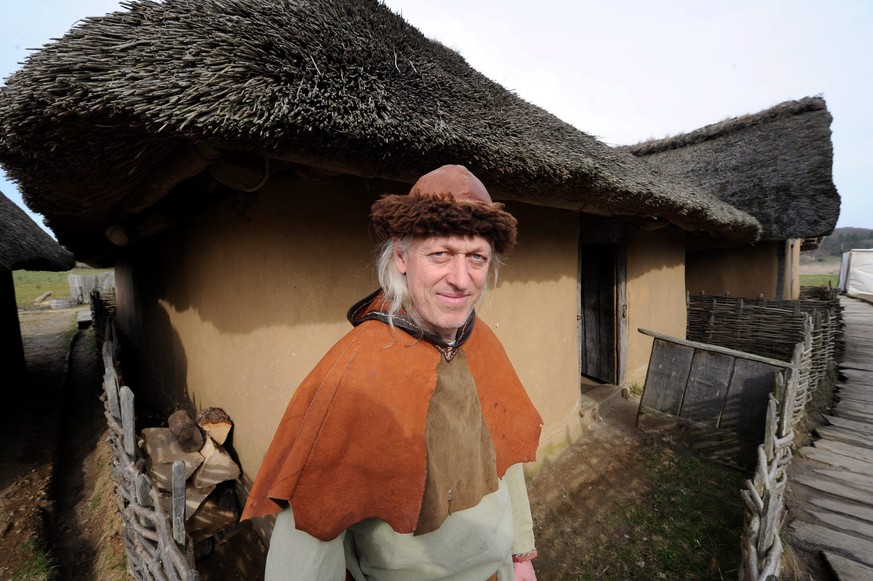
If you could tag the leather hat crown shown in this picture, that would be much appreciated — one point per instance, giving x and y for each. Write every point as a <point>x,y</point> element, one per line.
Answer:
<point>448,201</point>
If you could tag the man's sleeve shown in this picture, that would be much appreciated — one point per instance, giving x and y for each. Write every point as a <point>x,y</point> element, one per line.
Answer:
<point>523,548</point>
<point>298,556</point>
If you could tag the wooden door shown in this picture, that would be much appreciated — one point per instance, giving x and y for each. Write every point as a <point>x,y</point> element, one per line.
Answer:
<point>601,310</point>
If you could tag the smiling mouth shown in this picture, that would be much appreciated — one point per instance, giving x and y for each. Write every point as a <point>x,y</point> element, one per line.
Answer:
<point>454,299</point>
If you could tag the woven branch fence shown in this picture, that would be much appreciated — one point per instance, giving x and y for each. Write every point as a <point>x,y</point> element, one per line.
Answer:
<point>806,332</point>
<point>776,329</point>
<point>157,545</point>
<point>764,494</point>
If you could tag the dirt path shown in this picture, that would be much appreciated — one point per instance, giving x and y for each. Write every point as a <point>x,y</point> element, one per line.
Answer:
<point>86,533</point>
<point>51,460</point>
<point>29,434</point>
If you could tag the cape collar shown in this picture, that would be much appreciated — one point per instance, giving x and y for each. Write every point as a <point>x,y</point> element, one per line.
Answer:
<point>373,308</point>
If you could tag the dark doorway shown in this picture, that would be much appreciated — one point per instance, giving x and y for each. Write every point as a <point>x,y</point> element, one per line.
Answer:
<point>603,310</point>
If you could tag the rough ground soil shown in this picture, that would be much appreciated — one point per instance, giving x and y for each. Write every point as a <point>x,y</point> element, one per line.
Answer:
<point>87,532</point>
<point>572,498</point>
<point>55,491</point>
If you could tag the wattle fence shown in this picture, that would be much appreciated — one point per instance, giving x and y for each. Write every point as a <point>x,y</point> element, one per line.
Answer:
<point>806,332</point>
<point>157,545</point>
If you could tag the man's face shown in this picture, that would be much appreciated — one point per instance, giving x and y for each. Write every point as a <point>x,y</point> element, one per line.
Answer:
<point>445,276</point>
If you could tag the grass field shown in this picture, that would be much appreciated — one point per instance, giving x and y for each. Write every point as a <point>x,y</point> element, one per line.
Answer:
<point>819,279</point>
<point>687,527</point>
<point>31,284</point>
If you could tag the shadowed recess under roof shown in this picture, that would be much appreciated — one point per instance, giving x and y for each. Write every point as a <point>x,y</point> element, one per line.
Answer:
<point>91,122</point>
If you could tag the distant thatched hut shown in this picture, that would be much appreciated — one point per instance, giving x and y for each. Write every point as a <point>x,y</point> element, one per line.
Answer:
<point>23,246</point>
<point>775,165</point>
<point>224,156</point>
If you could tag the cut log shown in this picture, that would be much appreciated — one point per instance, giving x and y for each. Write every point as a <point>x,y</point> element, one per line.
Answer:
<point>210,518</point>
<point>194,497</point>
<point>187,433</point>
<point>216,423</point>
<point>42,297</point>
<point>217,466</point>
<point>162,450</point>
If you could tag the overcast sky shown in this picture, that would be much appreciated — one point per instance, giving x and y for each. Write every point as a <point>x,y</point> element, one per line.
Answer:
<point>622,70</point>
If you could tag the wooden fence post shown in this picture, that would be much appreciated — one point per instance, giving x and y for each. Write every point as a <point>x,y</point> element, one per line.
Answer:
<point>108,355</point>
<point>128,421</point>
<point>143,498</point>
<point>110,384</point>
<point>178,517</point>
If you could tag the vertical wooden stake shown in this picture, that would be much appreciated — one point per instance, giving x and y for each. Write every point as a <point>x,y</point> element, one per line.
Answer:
<point>128,421</point>
<point>108,359</point>
<point>179,502</point>
<point>109,333</point>
<point>110,384</point>
<point>143,498</point>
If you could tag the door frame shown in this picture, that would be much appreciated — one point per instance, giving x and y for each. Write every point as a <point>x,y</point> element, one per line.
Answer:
<point>611,231</point>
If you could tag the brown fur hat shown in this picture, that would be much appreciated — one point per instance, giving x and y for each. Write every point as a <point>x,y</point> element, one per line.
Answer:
<point>447,201</point>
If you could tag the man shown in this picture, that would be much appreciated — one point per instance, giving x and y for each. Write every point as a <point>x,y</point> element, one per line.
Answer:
<point>399,456</point>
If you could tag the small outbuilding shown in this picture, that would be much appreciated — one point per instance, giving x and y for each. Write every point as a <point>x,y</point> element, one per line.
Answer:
<point>856,274</point>
<point>23,246</point>
<point>775,165</point>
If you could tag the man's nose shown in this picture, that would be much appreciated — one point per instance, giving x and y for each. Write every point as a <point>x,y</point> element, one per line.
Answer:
<point>459,272</point>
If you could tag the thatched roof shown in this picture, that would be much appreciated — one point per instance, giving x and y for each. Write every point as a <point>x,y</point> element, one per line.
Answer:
<point>97,126</point>
<point>775,165</point>
<point>26,246</point>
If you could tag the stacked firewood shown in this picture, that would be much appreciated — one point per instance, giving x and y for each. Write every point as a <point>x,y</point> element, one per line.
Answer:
<point>210,501</point>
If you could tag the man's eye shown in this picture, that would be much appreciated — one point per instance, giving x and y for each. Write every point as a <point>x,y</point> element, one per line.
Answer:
<point>479,257</point>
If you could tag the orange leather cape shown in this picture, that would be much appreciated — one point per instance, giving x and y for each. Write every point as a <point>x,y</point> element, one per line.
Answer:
<point>351,444</point>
